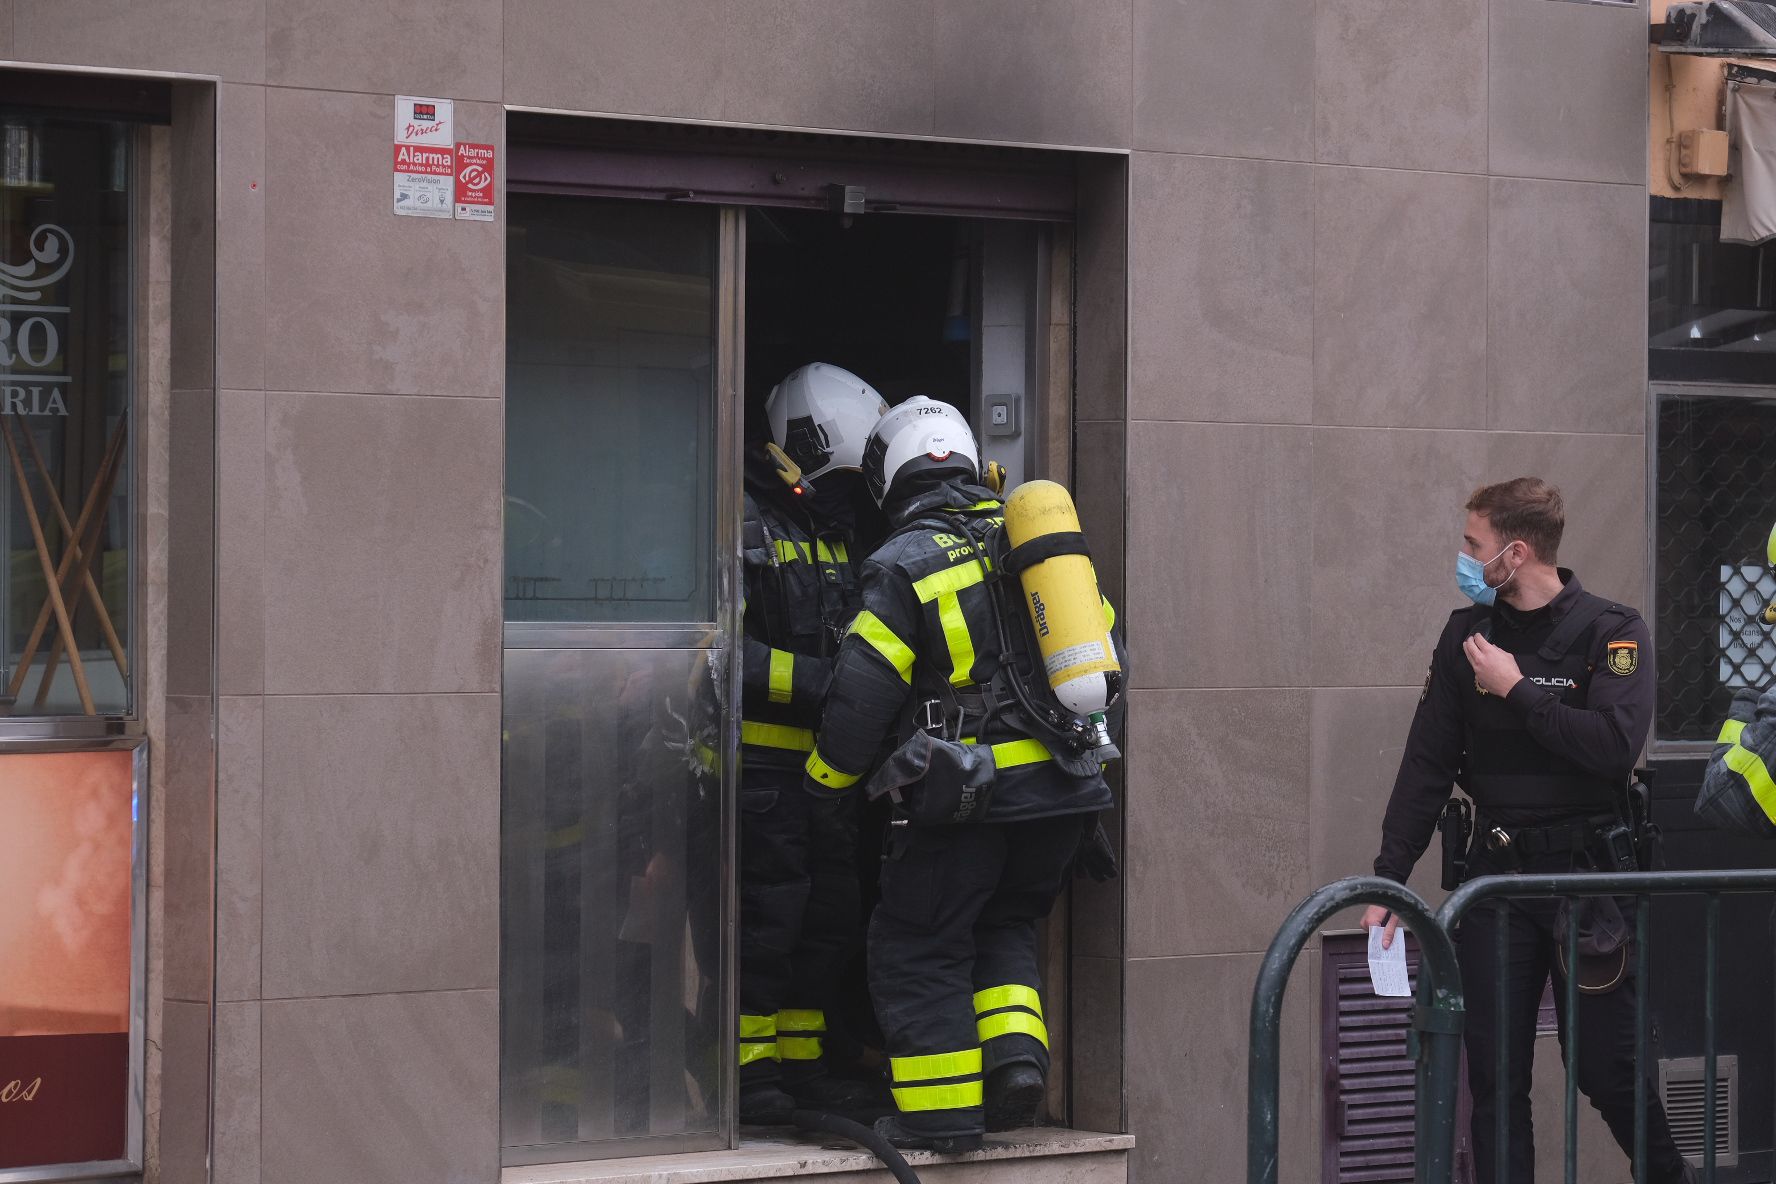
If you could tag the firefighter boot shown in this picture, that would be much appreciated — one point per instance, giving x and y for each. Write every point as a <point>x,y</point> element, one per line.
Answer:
<point>889,1128</point>
<point>763,1103</point>
<point>1013,1092</point>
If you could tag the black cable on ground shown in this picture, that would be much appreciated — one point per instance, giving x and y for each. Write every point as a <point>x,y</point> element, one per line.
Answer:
<point>863,1136</point>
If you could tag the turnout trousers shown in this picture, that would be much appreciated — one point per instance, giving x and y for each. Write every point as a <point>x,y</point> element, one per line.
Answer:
<point>800,920</point>
<point>952,959</point>
<point>1604,1045</point>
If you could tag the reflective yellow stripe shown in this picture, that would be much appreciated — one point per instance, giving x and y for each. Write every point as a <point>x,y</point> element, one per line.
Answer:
<point>1005,1023</point>
<point>753,1026</point>
<point>1010,754</point>
<point>824,773</point>
<point>937,1097</point>
<point>1013,995</point>
<point>1750,766</point>
<point>1109,613</point>
<point>955,627</point>
<point>801,1021</point>
<point>1730,732</point>
<point>782,676</point>
<point>776,736</point>
<point>758,1051</point>
<point>883,640</point>
<point>833,554</point>
<point>937,1064</point>
<point>950,579</point>
<point>798,1048</point>
<point>567,836</point>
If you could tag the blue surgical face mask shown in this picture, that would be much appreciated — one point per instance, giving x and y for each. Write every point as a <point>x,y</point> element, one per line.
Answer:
<point>1470,577</point>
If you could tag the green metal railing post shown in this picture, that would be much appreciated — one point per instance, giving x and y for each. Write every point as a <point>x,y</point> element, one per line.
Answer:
<point>1437,1019</point>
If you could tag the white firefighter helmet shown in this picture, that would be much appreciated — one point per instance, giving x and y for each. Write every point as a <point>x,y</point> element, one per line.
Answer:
<point>920,436</point>
<point>821,416</point>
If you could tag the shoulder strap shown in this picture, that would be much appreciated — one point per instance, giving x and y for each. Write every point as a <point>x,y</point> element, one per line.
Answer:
<point>1576,624</point>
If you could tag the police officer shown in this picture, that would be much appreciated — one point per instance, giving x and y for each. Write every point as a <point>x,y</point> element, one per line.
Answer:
<point>952,945</point>
<point>1537,703</point>
<point>800,915</point>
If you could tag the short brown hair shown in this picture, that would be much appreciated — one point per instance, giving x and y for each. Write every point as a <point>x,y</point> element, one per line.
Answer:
<point>1526,508</point>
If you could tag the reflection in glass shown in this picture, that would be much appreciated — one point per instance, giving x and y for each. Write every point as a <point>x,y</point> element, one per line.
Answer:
<point>609,411</point>
<point>65,452</point>
<point>610,966</point>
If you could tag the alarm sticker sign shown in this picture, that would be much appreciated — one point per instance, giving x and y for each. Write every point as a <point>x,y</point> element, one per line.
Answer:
<point>424,162</point>
<point>474,182</point>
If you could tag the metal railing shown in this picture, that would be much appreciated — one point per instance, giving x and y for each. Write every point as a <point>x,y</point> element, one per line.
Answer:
<point>1439,1011</point>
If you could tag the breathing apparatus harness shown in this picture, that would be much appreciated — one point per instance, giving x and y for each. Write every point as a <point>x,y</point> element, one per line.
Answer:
<point>801,490</point>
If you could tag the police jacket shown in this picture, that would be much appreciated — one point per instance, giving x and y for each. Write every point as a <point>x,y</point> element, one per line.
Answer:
<point>801,591</point>
<point>1561,745</point>
<point>1737,793</point>
<point>929,633</point>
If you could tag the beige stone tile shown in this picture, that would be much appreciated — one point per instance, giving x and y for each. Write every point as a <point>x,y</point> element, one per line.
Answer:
<point>1402,84</point>
<point>1096,1073</point>
<point>240,237</point>
<point>1387,518</point>
<point>1357,736</point>
<point>235,1157</point>
<point>1602,481</point>
<point>240,773</point>
<point>1100,341</point>
<point>362,300</point>
<point>442,48</point>
<point>667,57</point>
<point>1187,1024</point>
<point>382,1089</point>
<point>1221,315</point>
<point>192,36</point>
<point>381,843</point>
<point>382,544</point>
<point>1217,795</point>
<point>184,1092</point>
<point>1225,540</point>
<point>6,28</point>
<point>191,543</point>
<point>1399,299</point>
<point>854,64</point>
<point>240,542</point>
<point>188,877</point>
<point>1567,91</point>
<point>1239,83</point>
<point>1034,71</point>
<point>1566,280</point>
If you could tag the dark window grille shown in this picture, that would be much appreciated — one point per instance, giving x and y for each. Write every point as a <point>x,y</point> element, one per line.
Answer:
<point>1715,503</point>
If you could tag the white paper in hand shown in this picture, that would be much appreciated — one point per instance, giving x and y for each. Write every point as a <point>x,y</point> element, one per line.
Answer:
<point>1387,968</point>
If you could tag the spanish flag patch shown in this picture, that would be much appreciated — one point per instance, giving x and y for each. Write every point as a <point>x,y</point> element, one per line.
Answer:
<point>1623,657</point>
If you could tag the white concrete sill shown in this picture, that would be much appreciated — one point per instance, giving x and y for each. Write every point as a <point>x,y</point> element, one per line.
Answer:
<point>806,1155</point>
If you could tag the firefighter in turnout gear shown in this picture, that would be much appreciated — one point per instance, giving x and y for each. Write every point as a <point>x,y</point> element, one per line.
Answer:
<point>1737,792</point>
<point>1537,704</point>
<point>800,912</point>
<point>997,791</point>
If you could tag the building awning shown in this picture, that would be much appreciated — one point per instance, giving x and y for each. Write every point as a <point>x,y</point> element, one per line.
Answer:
<point>1723,28</point>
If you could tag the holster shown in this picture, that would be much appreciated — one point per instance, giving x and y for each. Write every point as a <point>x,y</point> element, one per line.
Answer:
<point>1456,828</point>
<point>937,782</point>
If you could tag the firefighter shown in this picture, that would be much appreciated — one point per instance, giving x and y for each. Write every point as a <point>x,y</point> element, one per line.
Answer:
<point>800,916</point>
<point>1737,793</point>
<point>993,803</point>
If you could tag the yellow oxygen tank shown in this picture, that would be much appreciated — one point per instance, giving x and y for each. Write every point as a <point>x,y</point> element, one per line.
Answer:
<point>1061,596</point>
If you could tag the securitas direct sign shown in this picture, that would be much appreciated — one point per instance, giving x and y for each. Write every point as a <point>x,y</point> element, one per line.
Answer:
<point>436,177</point>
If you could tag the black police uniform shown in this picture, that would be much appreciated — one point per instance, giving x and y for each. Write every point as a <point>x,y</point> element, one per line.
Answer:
<point>952,945</point>
<point>1547,767</point>
<point>800,911</point>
